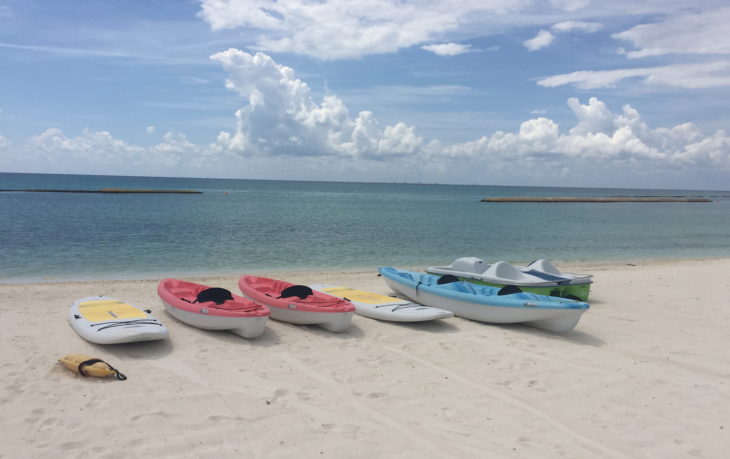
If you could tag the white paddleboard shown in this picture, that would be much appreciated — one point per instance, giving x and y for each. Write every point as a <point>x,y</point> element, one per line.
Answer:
<point>104,320</point>
<point>383,307</point>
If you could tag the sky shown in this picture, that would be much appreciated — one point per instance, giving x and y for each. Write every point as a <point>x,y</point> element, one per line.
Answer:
<point>580,93</point>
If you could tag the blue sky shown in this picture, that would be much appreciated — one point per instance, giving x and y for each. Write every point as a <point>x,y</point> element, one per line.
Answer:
<point>561,92</point>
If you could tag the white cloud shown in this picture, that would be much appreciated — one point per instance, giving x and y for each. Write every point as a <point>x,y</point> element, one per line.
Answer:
<point>101,153</point>
<point>5,146</point>
<point>336,29</point>
<point>569,26</point>
<point>696,76</point>
<point>538,112</point>
<point>570,5</point>
<point>150,129</point>
<point>284,131</point>
<point>447,49</point>
<point>543,39</point>
<point>690,33</point>
<point>600,136</point>
<point>282,119</point>
<point>94,147</point>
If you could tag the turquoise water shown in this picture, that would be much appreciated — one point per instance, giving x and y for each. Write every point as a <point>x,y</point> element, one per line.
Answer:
<point>269,225</point>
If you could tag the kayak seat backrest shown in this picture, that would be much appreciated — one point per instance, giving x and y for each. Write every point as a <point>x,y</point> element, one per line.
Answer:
<point>468,265</point>
<point>215,294</point>
<point>300,291</point>
<point>546,267</point>
<point>447,279</point>
<point>505,271</point>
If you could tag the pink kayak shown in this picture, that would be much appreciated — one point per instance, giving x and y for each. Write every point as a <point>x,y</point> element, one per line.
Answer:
<point>298,304</point>
<point>212,308</point>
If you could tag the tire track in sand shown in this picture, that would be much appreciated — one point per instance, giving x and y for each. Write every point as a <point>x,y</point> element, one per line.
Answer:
<point>592,444</point>
<point>444,449</point>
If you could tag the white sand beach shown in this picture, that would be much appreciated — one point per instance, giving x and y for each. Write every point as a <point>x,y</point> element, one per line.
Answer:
<point>645,374</point>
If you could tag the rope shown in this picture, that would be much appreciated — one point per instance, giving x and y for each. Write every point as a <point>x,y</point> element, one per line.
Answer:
<point>402,306</point>
<point>126,323</point>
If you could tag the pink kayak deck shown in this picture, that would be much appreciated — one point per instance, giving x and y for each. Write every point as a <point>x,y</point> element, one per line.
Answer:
<point>175,293</point>
<point>266,291</point>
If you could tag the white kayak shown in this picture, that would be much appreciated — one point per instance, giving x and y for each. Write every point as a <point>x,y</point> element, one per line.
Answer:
<point>104,320</point>
<point>383,307</point>
<point>541,277</point>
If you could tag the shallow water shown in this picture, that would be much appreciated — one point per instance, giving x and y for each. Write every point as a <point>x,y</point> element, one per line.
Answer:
<point>268,225</point>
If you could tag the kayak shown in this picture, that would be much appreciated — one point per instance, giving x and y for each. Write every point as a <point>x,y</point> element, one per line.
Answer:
<point>383,307</point>
<point>541,277</point>
<point>104,320</point>
<point>486,304</point>
<point>298,304</point>
<point>212,308</point>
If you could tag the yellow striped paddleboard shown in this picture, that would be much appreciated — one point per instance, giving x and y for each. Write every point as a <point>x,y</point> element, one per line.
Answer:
<point>105,320</point>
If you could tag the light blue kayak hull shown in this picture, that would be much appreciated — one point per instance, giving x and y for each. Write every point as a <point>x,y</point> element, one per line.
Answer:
<point>483,304</point>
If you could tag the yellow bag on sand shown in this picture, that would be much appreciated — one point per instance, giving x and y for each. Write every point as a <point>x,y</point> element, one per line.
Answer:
<point>89,366</point>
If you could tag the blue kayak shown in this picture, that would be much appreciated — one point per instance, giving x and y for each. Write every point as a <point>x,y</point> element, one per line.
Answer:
<point>506,305</point>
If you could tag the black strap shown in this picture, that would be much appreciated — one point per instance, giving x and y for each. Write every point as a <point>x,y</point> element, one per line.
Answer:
<point>119,376</point>
<point>128,323</point>
<point>401,306</point>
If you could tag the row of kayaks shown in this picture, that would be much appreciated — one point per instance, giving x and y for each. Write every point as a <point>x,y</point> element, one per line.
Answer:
<point>428,296</point>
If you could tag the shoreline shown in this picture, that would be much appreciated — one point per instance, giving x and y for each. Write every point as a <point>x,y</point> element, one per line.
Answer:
<point>565,266</point>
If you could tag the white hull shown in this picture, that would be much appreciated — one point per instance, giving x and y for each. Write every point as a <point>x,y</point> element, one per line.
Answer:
<point>248,327</point>
<point>135,330</point>
<point>394,311</point>
<point>332,321</point>
<point>557,320</point>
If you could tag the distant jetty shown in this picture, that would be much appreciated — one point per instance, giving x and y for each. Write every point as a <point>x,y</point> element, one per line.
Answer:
<point>110,190</point>
<point>611,199</point>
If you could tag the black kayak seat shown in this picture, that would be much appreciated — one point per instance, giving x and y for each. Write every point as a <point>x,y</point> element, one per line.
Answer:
<point>509,290</point>
<point>215,294</point>
<point>447,279</point>
<point>300,291</point>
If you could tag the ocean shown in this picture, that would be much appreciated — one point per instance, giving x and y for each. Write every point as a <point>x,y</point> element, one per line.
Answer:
<point>279,225</point>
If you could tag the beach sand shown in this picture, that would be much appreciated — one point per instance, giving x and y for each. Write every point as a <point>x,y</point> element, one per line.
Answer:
<point>645,374</point>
